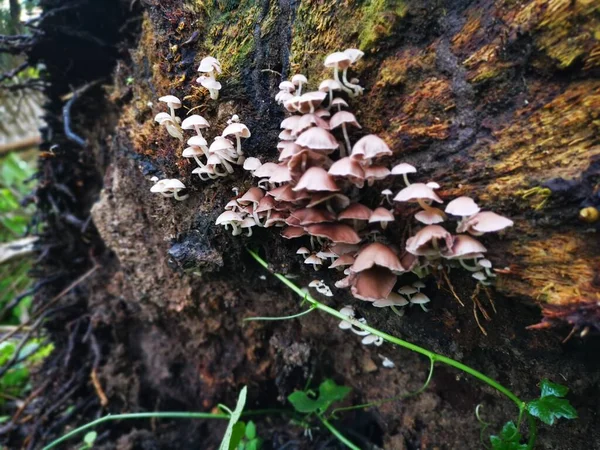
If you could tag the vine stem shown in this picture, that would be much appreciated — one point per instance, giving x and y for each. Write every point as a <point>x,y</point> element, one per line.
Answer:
<point>435,357</point>
<point>160,415</point>
<point>293,316</point>
<point>337,434</point>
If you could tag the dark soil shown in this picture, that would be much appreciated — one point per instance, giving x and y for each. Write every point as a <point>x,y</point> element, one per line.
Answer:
<point>160,318</point>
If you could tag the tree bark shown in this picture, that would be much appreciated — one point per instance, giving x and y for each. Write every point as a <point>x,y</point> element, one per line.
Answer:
<point>493,99</point>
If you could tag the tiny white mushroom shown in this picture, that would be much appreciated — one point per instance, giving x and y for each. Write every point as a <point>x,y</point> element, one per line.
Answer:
<point>420,299</point>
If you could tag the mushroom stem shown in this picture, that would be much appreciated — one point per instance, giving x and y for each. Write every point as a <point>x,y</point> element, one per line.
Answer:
<point>427,207</point>
<point>347,139</point>
<point>330,99</point>
<point>249,232</point>
<point>336,77</point>
<point>343,150</point>
<point>356,89</point>
<point>180,198</point>
<point>198,161</point>
<point>423,307</point>
<point>226,165</point>
<point>398,313</point>
<point>299,89</point>
<point>239,145</point>
<point>469,268</point>
<point>236,230</point>
<point>406,180</point>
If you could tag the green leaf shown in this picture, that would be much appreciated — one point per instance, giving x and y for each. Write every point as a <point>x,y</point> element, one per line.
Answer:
<point>550,408</point>
<point>509,439</point>
<point>329,392</point>
<point>302,403</point>
<point>90,438</point>
<point>237,435</point>
<point>250,430</point>
<point>549,388</point>
<point>235,416</point>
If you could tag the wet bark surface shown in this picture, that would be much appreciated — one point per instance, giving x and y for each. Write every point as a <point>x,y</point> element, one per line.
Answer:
<point>489,99</point>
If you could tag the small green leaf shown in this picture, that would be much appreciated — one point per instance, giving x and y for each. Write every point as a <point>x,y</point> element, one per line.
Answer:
<point>237,434</point>
<point>90,438</point>
<point>550,407</point>
<point>302,403</point>
<point>549,388</point>
<point>250,430</point>
<point>509,439</point>
<point>331,392</point>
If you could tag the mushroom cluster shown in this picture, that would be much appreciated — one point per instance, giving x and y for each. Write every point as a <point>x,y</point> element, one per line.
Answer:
<point>316,187</point>
<point>223,152</point>
<point>168,187</point>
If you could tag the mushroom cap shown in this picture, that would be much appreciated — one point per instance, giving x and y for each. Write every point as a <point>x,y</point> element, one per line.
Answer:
<point>248,222</point>
<point>343,117</point>
<point>418,244</point>
<point>337,200</point>
<point>376,172</point>
<point>287,194</point>
<point>232,204</point>
<point>281,174</point>
<point>330,85</point>
<point>298,79</point>
<point>354,54</point>
<point>322,113</point>
<point>339,101</point>
<point>342,249</point>
<point>163,117</point>
<point>228,217</point>
<point>373,284</point>
<point>392,300</point>
<point>209,64</point>
<point>311,100</point>
<point>356,211</point>
<point>369,147</point>
<point>286,135</point>
<point>158,187</point>
<point>462,206</point>
<point>308,120</point>
<point>209,83</point>
<point>252,164</point>
<point>485,222</point>
<point>193,121</point>
<point>344,260</point>
<point>277,219</point>
<point>213,160</point>
<point>313,259</point>
<point>289,150</point>
<point>403,168</point>
<point>220,143</point>
<point>293,232</point>
<point>464,246</point>
<point>173,184</point>
<point>171,100</point>
<point>430,216</point>
<point>290,123</point>
<point>381,214</point>
<point>377,254</point>
<point>287,86</point>
<point>302,251</point>
<point>267,203</point>
<point>419,299</point>
<point>237,129</point>
<point>283,96</point>
<point>316,179</point>
<point>334,232</point>
<point>310,216</point>
<point>190,152</point>
<point>197,141</point>
<point>407,290</point>
<point>486,263</point>
<point>409,261</point>
<point>386,192</point>
<point>253,195</point>
<point>432,185</point>
<point>205,169</point>
<point>318,139</point>
<point>419,284</point>
<point>338,59</point>
<point>417,191</point>
<point>347,167</point>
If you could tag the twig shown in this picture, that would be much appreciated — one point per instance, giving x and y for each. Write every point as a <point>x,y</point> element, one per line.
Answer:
<point>67,112</point>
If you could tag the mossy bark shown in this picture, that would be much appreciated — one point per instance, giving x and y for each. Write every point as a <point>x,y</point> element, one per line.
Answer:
<point>496,100</point>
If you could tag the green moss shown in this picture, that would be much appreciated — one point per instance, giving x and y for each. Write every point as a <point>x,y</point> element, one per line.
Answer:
<point>379,18</point>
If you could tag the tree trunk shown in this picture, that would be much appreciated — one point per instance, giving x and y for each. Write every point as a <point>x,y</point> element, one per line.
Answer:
<point>497,100</point>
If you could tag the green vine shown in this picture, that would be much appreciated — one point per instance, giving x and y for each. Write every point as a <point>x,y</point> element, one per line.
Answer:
<point>547,408</point>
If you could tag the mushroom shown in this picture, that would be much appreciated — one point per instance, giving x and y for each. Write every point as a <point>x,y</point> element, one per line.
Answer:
<point>341,118</point>
<point>430,216</point>
<point>251,164</point>
<point>318,139</point>
<point>248,223</point>
<point>298,80</point>
<point>370,147</point>
<point>195,122</point>
<point>374,173</point>
<point>377,254</point>
<point>425,242</point>
<point>382,216</point>
<point>303,251</point>
<point>386,194</point>
<point>316,179</point>
<point>403,169</point>
<point>465,247</point>
<point>335,232</point>
<point>210,65</point>
<point>354,54</point>
<point>329,86</point>
<point>211,84</point>
<point>462,206</point>
<point>314,260</point>
<point>169,188</point>
<point>339,102</point>
<point>193,152</point>
<point>420,192</point>
<point>239,130</point>
<point>230,218</point>
<point>287,86</point>
<point>373,284</point>
<point>173,103</point>
<point>350,169</point>
<point>420,299</point>
<point>337,61</point>
<point>484,222</point>
<point>372,339</point>
<point>342,261</point>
